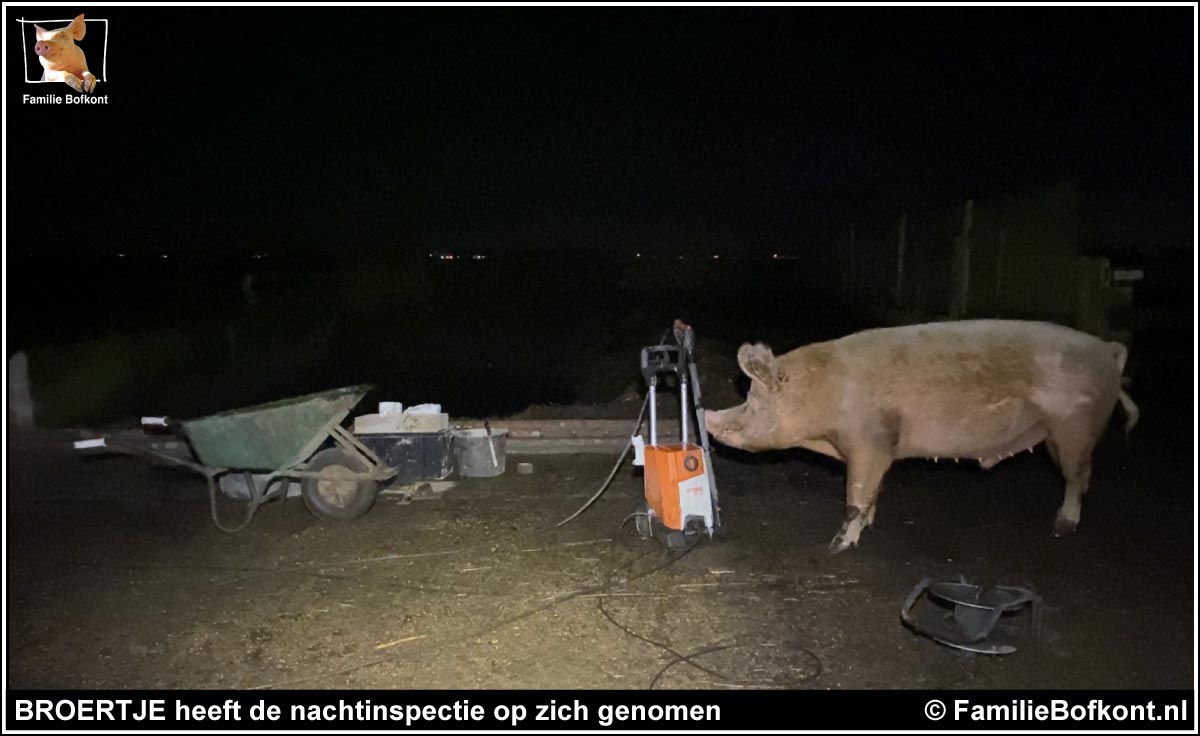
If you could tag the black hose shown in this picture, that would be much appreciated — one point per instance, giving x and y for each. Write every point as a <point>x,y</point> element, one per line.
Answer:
<point>613,473</point>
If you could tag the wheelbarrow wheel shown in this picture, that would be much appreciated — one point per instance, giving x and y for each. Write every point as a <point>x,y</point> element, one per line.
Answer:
<point>337,494</point>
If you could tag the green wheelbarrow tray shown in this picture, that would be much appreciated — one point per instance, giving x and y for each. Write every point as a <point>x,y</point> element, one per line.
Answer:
<point>271,436</point>
<point>280,439</point>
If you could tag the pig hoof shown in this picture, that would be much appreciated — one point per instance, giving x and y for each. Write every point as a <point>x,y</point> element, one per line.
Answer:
<point>73,83</point>
<point>89,83</point>
<point>1063,527</point>
<point>840,544</point>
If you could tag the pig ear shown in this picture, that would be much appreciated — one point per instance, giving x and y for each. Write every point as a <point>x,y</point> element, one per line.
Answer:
<point>78,28</point>
<point>758,362</point>
<point>39,32</point>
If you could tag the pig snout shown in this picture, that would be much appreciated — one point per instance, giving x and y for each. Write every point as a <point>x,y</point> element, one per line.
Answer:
<point>723,426</point>
<point>41,48</point>
<point>713,422</point>
<point>742,428</point>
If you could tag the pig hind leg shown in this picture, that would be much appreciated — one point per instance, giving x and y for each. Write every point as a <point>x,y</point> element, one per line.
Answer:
<point>1070,445</point>
<point>864,474</point>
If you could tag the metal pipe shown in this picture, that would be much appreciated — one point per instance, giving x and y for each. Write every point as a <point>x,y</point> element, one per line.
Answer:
<point>653,412</point>
<point>683,409</point>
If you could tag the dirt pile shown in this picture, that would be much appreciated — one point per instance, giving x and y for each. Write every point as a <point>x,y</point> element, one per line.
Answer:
<point>609,383</point>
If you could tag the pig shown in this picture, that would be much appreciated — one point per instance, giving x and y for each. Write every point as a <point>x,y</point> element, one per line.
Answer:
<point>979,390</point>
<point>62,60</point>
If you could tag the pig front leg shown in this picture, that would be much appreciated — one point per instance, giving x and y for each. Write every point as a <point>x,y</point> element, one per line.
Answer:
<point>864,474</point>
<point>73,81</point>
<point>88,82</point>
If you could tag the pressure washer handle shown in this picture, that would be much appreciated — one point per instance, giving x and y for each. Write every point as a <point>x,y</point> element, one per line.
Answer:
<point>662,359</point>
<point>684,335</point>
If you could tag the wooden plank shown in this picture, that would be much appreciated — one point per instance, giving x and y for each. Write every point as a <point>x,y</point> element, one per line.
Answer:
<point>547,429</point>
<point>565,446</point>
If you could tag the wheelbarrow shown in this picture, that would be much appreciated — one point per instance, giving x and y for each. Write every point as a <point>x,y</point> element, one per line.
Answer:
<point>282,439</point>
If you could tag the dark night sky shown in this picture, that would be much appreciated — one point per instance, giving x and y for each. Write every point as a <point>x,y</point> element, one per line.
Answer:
<point>289,129</point>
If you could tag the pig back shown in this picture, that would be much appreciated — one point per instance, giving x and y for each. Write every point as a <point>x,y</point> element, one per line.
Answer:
<point>964,387</point>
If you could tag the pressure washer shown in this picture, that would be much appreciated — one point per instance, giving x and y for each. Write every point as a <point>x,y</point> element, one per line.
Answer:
<point>680,489</point>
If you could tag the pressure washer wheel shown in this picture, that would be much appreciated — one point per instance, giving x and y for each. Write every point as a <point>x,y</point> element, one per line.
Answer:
<point>649,527</point>
<point>641,521</point>
<point>674,540</point>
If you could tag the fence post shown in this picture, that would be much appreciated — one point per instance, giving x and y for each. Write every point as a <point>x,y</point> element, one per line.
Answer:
<point>847,264</point>
<point>901,243</point>
<point>20,393</point>
<point>961,264</point>
<point>998,304</point>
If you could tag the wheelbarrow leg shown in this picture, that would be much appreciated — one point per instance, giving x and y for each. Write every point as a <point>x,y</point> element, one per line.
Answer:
<point>256,497</point>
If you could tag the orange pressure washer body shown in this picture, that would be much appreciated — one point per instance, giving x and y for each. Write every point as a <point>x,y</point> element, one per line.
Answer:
<point>676,481</point>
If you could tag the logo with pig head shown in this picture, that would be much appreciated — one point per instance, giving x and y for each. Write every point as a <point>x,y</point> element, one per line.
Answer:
<point>61,59</point>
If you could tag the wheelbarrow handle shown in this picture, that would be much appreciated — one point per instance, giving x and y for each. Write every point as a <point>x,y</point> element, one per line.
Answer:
<point>133,449</point>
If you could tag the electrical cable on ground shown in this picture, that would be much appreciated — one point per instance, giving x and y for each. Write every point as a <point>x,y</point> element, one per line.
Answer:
<point>719,677</point>
<point>301,569</point>
<point>597,590</point>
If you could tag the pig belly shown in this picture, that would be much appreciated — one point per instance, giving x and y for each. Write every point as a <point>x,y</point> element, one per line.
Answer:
<point>987,437</point>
